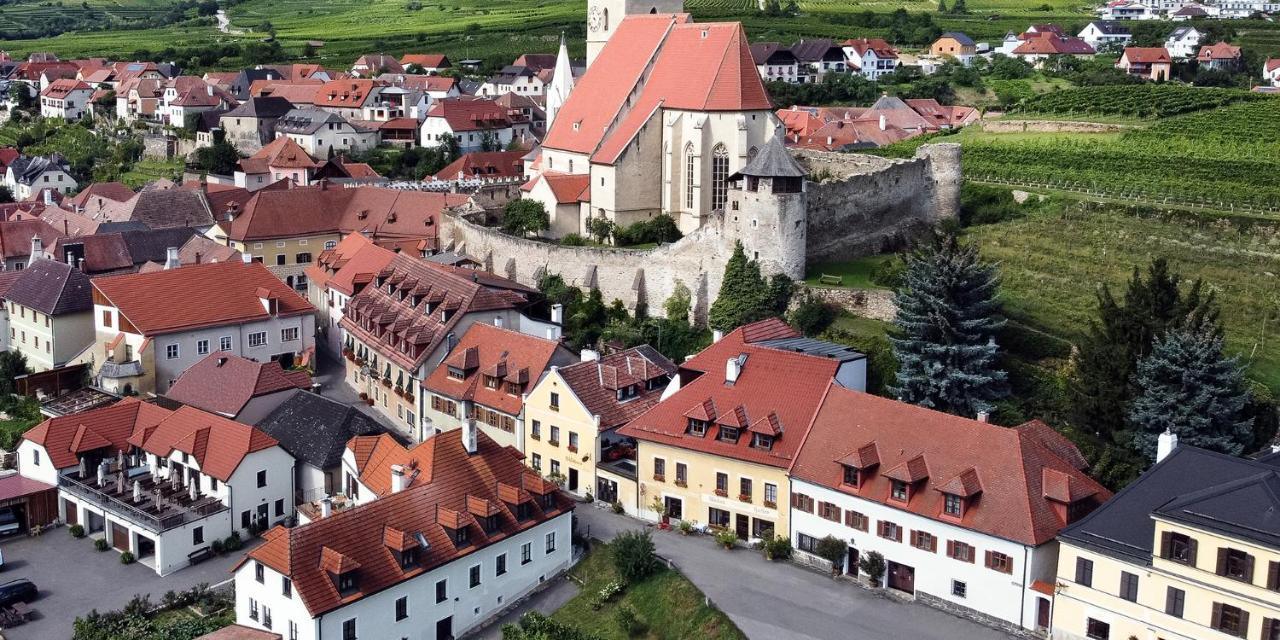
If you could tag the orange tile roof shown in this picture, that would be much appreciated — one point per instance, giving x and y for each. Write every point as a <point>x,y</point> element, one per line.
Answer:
<point>484,164</point>
<point>1146,55</point>
<point>566,187</point>
<point>358,535</point>
<point>1019,479</point>
<point>382,214</point>
<point>216,294</point>
<point>424,60</point>
<point>1218,51</point>
<point>337,268</point>
<point>218,444</point>
<point>465,114</point>
<point>509,356</point>
<point>698,67</point>
<point>350,94</point>
<point>224,383</point>
<point>63,437</point>
<point>284,153</point>
<point>62,87</point>
<point>596,383</point>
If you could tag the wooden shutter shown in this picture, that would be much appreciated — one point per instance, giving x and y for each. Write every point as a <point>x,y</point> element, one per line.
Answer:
<point>951,548</point>
<point>933,544</point>
<point>1273,577</point>
<point>987,560</point>
<point>1216,620</point>
<point>1248,568</point>
<point>1244,624</point>
<point>848,519</point>
<point>1192,546</point>
<point>1268,628</point>
<point>1166,538</point>
<point>898,537</point>
<point>1222,561</point>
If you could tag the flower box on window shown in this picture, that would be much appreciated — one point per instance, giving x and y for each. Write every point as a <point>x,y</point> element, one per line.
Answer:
<point>554,443</point>
<point>744,497</point>
<point>769,504</point>
<point>659,477</point>
<point>573,448</point>
<point>682,483</point>
<point>722,493</point>
<point>535,436</point>
<point>386,382</point>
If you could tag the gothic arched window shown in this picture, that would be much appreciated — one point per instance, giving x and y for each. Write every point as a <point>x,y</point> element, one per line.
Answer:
<point>719,177</point>
<point>688,177</point>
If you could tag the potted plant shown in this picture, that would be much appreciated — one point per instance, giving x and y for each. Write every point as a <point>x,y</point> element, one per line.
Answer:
<point>775,547</point>
<point>744,497</point>
<point>127,558</point>
<point>617,507</point>
<point>723,493</point>
<point>832,549</point>
<point>873,566</point>
<point>76,530</point>
<point>726,538</point>
<point>659,507</point>
<point>685,527</point>
<point>101,544</point>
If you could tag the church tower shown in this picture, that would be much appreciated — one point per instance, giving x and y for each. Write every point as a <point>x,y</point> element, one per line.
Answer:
<point>768,210</point>
<point>561,83</point>
<point>603,17</point>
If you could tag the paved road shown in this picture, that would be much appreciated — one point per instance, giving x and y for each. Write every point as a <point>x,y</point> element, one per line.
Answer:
<point>771,600</point>
<point>74,578</point>
<point>333,385</point>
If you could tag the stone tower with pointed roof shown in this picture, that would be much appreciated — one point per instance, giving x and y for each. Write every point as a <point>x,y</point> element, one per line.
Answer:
<point>768,211</point>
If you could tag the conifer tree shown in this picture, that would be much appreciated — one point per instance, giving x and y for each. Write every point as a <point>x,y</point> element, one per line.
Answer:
<point>942,6</point>
<point>947,319</point>
<point>1187,386</point>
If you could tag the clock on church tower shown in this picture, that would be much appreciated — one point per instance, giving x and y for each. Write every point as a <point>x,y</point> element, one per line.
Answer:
<point>603,17</point>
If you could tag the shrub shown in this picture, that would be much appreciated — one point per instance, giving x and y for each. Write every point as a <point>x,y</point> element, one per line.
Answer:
<point>101,544</point>
<point>628,621</point>
<point>812,316</point>
<point>216,545</point>
<point>634,556</point>
<point>980,204</point>
<point>776,547</point>
<point>588,498</point>
<point>617,507</point>
<point>872,565</point>
<point>573,240</point>
<point>233,542</point>
<point>126,558</point>
<point>76,530</point>
<point>726,538</point>
<point>685,527</point>
<point>607,593</point>
<point>832,549</point>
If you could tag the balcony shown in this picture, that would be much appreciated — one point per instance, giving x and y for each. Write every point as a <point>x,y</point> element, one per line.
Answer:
<point>162,504</point>
<point>620,459</point>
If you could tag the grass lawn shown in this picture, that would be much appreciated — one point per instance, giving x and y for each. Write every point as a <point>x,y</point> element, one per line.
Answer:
<point>669,605</point>
<point>856,273</point>
<point>144,171</point>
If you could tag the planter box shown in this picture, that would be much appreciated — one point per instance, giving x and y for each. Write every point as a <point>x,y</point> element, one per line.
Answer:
<point>722,493</point>
<point>658,477</point>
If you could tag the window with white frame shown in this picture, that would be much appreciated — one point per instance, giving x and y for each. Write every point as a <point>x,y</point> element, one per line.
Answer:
<point>257,339</point>
<point>224,343</point>
<point>171,351</point>
<point>288,334</point>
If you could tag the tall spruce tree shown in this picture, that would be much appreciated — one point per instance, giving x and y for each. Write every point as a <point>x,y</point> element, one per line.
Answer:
<point>1187,386</point>
<point>947,319</point>
<point>1102,385</point>
<point>747,296</point>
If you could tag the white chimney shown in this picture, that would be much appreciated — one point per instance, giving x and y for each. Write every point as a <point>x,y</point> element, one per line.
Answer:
<point>171,258</point>
<point>469,435</point>
<point>397,478</point>
<point>497,321</point>
<point>326,508</point>
<point>48,197</point>
<point>984,416</point>
<point>1165,445</point>
<point>589,355</point>
<point>37,247</point>
<point>733,369</point>
<point>882,122</point>
<point>717,335</point>
<point>246,257</point>
<point>557,313</point>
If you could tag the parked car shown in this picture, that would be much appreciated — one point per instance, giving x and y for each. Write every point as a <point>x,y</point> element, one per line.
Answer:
<point>20,590</point>
<point>8,522</point>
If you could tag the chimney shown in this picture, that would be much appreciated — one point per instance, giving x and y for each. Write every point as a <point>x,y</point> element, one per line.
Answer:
<point>1165,445</point>
<point>590,355</point>
<point>733,369</point>
<point>37,247</point>
<point>171,258</point>
<point>48,197</point>
<point>717,335</point>
<point>497,321</point>
<point>557,313</point>
<point>208,89</point>
<point>326,508</point>
<point>469,435</point>
<point>80,264</point>
<point>984,416</point>
<point>882,122</point>
<point>220,362</point>
<point>397,478</point>
<point>246,257</point>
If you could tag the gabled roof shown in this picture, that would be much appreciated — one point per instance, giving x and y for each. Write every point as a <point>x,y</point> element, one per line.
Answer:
<point>281,153</point>
<point>15,236</point>
<point>1050,43</point>
<point>260,107</point>
<point>878,46</point>
<point>465,114</point>
<point>816,49</point>
<point>52,288</point>
<point>113,424</point>
<point>568,188</point>
<point>218,445</point>
<point>771,53</point>
<point>315,430</point>
<point>348,93</point>
<point>1111,27</point>
<point>223,383</point>
<point>158,208</point>
<point>217,294</point>
<point>959,37</point>
<point>941,454</point>
<point>484,164</point>
<point>309,121</point>
<point>117,191</point>
<point>425,60</point>
<point>379,213</point>
<point>1219,51</point>
<point>1271,65</point>
<point>596,383</point>
<point>443,488</point>
<point>509,356</point>
<point>102,252</point>
<point>61,88</point>
<point>1233,497</point>
<point>696,67</point>
<point>353,257</point>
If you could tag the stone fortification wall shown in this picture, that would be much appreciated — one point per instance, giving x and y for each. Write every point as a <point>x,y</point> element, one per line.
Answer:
<point>875,204</point>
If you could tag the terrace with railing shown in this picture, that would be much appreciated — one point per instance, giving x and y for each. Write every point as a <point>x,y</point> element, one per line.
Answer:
<point>151,502</point>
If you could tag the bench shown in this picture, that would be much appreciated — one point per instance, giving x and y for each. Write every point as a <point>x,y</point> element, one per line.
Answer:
<point>831,280</point>
<point>200,555</point>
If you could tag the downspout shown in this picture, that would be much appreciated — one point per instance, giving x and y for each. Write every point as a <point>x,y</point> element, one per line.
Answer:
<point>1026,584</point>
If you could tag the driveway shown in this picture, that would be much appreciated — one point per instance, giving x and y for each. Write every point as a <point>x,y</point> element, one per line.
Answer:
<point>74,578</point>
<point>769,600</point>
<point>331,375</point>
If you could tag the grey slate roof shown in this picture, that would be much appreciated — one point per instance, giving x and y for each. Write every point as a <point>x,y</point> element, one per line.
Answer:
<point>315,429</point>
<point>309,121</point>
<point>773,161</point>
<point>52,288</point>
<point>959,37</point>
<point>168,208</point>
<point>152,245</point>
<point>1234,496</point>
<point>816,50</point>
<point>26,169</point>
<point>1111,27</point>
<point>261,107</point>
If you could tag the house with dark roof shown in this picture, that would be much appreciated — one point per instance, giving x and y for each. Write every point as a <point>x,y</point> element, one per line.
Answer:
<point>23,241</point>
<point>818,57</point>
<point>252,124</point>
<point>315,431</point>
<point>237,388</point>
<point>28,175</point>
<point>775,62</point>
<point>717,447</point>
<point>461,530</point>
<point>963,512</point>
<point>956,45</point>
<point>321,132</point>
<point>484,377</point>
<point>573,413</point>
<point>161,484</point>
<point>1183,42</point>
<point>1106,34</point>
<point>145,342</point>
<point>1191,549</point>
<point>50,309</point>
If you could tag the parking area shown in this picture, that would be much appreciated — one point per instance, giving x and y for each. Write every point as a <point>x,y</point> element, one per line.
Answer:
<point>74,578</point>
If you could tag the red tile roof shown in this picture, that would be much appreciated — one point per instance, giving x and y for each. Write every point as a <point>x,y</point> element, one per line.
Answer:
<point>1146,55</point>
<point>465,114</point>
<point>773,386</point>
<point>223,383</point>
<point>59,89</point>
<point>66,436</point>
<point>239,632</point>
<point>484,164</point>
<point>1018,478</point>
<point>1272,64</point>
<point>424,60</point>
<point>509,356</point>
<point>117,191</point>
<point>438,496</point>
<point>355,256</point>
<point>218,445</point>
<point>881,48</point>
<point>1049,43</point>
<point>349,94</point>
<point>567,188</point>
<point>375,455</point>
<point>1219,51</point>
<point>281,153</point>
<point>15,236</point>
<point>388,214</point>
<point>596,382</point>
<point>216,294</point>
<point>697,67</point>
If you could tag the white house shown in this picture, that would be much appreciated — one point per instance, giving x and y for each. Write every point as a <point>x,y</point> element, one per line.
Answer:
<point>1127,10</point>
<point>1183,43</point>
<point>470,122</point>
<point>440,553</point>
<point>1271,72</point>
<point>318,132</point>
<point>1103,34</point>
<point>65,98</point>
<point>775,62</point>
<point>27,176</point>
<point>964,513</point>
<point>157,483</point>
<point>872,57</point>
<point>523,80</point>
<point>145,341</point>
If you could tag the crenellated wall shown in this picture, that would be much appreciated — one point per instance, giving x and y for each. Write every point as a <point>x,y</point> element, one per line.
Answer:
<point>872,204</point>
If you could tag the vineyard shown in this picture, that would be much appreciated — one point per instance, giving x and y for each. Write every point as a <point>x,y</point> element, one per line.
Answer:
<point>1142,101</point>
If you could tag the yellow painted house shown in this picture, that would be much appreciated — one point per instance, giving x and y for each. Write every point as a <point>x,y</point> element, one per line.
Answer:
<point>572,416</point>
<point>1189,551</point>
<point>716,452</point>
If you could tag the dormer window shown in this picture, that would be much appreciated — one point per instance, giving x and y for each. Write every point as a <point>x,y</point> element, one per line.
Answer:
<point>697,427</point>
<point>347,583</point>
<point>461,536</point>
<point>851,476</point>
<point>513,389</point>
<point>761,441</point>
<point>490,382</point>
<point>727,434</point>
<point>952,505</point>
<point>628,392</point>
<point>409,558</point>
<point>456,374</point>
<point>490,523</point>
<point>899,491</point>
<point>548,501</point>
<point>524,511</point>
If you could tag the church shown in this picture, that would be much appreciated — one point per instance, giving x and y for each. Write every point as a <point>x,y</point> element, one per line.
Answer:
<point>666,113</point>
